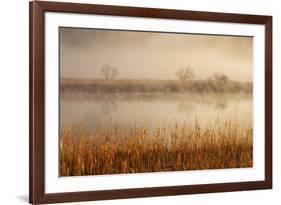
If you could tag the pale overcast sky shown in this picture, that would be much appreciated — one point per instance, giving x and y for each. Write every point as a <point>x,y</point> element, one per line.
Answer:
<point>147,55</point>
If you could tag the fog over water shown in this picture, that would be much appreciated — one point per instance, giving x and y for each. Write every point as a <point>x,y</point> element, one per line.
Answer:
<point>147,55</point>
<point>154,111</point>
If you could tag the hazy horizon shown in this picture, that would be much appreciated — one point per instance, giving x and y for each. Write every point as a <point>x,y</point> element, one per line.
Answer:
<point>152,55</point>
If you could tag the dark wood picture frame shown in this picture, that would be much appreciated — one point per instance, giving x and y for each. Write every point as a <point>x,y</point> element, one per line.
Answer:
<point>37,194</point>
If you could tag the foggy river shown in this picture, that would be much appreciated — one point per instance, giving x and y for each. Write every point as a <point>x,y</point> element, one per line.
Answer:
<point>152,110</point>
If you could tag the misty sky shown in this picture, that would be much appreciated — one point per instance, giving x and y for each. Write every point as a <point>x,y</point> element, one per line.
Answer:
<point>147,55</point>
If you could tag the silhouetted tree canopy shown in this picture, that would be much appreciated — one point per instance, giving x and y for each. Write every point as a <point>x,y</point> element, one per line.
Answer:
<point>220,77</point>
<point>185,74</point>
<point>109,72</point>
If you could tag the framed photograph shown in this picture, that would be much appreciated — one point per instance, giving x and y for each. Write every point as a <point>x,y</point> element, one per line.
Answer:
<point>139,102</point>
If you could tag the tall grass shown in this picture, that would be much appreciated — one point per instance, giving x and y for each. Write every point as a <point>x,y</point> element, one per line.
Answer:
<point>134,150</point>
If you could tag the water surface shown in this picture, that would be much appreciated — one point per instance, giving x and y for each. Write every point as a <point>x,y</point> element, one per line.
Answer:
<point>152,110</point>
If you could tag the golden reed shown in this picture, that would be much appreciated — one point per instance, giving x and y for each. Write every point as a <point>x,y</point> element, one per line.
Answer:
<point>134,150</point>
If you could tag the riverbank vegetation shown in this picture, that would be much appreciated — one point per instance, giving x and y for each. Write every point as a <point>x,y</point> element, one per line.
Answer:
<point>112,150</point>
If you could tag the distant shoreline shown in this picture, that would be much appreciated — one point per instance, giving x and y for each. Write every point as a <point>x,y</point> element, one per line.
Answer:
<point>151,86</point>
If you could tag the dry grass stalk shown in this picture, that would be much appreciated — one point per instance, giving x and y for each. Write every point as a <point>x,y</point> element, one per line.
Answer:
<point>136,150</point>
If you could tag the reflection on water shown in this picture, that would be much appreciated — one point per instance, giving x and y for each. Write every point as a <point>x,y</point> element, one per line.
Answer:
<point>152,110</point>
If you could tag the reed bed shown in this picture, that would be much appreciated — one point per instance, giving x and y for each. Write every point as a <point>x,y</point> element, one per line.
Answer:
<point>112,150</point>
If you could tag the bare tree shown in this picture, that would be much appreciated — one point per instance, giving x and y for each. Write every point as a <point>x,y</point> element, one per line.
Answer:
<point>185,74</point>
<point>108,72</point>
<point>220,78</point>
<point>114,73</point>
<point>105,72</point>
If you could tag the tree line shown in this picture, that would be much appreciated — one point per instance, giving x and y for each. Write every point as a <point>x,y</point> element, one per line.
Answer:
<point>186,74</point>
